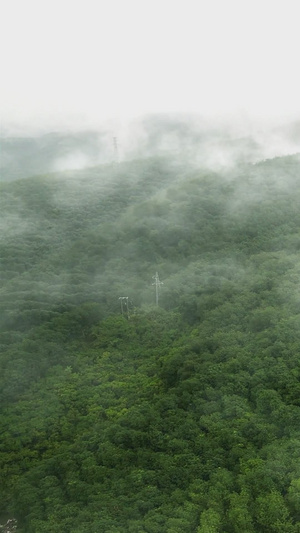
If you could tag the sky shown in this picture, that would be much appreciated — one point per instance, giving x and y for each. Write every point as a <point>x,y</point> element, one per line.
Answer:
<point>81,62</point>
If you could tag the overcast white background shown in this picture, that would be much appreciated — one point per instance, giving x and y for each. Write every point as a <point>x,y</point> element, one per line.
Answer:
<point>81,62</point>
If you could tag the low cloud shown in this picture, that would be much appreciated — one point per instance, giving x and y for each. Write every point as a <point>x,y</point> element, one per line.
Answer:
<point>73,161</point>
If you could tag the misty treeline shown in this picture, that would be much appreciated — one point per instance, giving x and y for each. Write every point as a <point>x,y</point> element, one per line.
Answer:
<point>184,418</point>
<point>192,139</point>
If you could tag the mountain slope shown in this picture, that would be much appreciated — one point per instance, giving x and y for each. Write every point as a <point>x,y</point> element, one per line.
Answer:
<point>183,417</point>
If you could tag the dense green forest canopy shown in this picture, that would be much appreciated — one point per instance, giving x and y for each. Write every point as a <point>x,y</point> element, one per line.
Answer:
<point>177,418</point>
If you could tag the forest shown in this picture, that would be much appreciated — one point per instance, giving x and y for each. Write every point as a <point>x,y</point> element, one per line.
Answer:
<point>181,417</point>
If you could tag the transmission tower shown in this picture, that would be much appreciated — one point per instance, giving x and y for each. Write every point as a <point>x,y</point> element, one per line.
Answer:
<point>124,305</point>
<point>116,150</point>
<point>157,284</point>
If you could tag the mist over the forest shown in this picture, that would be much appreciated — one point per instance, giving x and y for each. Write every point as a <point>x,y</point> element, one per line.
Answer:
<point>150,267</point>
<point>197,141</point>
<point>178,402</point>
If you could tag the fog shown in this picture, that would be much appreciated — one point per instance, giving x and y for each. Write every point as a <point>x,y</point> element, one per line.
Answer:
<point>189,139</point>
<point>214,84</point>
<point>188,90</point>
<point>143,137</point>
<point>75,66</point>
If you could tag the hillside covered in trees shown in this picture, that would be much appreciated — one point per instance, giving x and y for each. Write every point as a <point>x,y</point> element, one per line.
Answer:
<point>177,418</point>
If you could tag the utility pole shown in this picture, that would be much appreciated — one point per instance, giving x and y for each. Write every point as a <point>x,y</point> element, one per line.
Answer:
<point>125,306</point>
<point>116,150</point>
<point>157,284</point>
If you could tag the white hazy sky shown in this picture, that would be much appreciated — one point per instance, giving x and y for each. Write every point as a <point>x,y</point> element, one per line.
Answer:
<point>83,61</point>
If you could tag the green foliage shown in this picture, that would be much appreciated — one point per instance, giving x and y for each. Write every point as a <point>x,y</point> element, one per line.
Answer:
<point>182,418</point>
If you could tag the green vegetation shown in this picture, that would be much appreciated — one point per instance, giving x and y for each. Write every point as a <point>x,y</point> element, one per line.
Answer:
<point>184,418</point>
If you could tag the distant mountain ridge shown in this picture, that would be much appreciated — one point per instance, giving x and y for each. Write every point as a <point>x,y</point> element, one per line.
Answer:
<point>28,156</point>
<point>210,147</point>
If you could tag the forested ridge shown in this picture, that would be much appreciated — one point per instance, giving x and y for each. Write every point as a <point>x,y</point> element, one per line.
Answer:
<point>179,418</point>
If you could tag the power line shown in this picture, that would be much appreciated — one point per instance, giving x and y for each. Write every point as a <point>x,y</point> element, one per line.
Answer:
<point>157,284</point>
